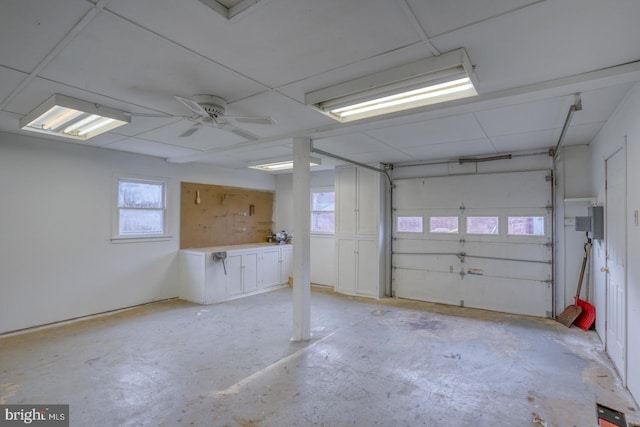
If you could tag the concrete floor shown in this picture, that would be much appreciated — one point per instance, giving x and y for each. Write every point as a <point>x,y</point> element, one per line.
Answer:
<point>369,363</point>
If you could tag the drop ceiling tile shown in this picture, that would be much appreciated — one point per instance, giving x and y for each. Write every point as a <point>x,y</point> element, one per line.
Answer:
<point>598,105</point>
<point>10,79</point>
<point>30,29</point>
<point>290,40</point>
<point>346,145</point>
<point>439,17</point>
<point>116,58</point>
<point>389,156</point>
<point>581,134</point>
<point>546,41</point>
<point>150,148</point>
<point>547,138</point>
<point>450,150</point>
<point>456,128</point>
<point>289,115</point>
<point>205,138</point>
<point>528,117</point>
<point>257,154</point>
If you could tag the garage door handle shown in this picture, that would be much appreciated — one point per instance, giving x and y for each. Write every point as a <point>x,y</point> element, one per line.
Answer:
<point>604,269</point>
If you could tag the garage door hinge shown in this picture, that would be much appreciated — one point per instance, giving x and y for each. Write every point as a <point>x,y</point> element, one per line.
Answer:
<point>462,273</point>
<point>548,178</point>
<point>461,256</point>
<point>462,208</point>
<point>549,208</point>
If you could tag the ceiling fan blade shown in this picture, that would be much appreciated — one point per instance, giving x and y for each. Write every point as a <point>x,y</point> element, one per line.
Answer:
<point>240,132</point>
<point>193,129</point>
<point>193,106</point>
<point>256,120</point>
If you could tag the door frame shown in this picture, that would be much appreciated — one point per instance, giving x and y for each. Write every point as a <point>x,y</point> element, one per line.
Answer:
<point>625,363</point>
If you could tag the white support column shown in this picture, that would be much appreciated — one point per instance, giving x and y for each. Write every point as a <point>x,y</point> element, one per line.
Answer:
<point>302,239</point>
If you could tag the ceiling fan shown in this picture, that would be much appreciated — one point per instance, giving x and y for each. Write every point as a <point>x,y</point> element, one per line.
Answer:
<point>209,110</point>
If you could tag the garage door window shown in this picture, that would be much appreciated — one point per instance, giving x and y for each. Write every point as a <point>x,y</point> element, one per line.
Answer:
<point>443,224</point>
<point>482,225</point>
<point>526,226</point>
<point>409,224</point>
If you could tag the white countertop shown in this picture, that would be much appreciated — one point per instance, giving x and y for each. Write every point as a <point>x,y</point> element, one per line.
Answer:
<point>231,247</point>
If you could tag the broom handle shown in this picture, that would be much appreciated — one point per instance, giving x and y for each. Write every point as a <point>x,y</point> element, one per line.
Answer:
<point>589,245</point>
<point>584,263</point>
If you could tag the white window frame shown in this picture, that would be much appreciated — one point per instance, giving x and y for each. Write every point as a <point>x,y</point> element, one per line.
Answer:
<point>115,223</point>
<point>322,190</point>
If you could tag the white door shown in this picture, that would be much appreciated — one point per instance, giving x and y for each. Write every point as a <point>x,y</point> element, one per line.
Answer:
<point>616,259</point>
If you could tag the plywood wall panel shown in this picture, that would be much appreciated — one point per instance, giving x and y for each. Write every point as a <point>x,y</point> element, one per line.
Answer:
<point>213,215</point>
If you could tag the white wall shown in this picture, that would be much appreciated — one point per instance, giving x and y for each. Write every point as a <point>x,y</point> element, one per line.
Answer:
<point>624,125</point>
<point>57,261</point>
<point>322,246</point>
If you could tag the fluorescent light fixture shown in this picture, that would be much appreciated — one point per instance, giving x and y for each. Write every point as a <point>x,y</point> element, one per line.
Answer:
<point>429,81</point>
<point>283,165</point>
<point>73,118</point>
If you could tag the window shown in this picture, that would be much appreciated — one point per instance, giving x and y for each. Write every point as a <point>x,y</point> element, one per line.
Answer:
<point>141,208</point>
<point>482,225</point>
<point>409,224</point>
<point>526,225</point>
<point>443,224</point>
<point>323,213</point>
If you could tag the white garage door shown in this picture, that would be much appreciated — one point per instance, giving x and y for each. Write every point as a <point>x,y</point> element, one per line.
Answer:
<point>480,241</point>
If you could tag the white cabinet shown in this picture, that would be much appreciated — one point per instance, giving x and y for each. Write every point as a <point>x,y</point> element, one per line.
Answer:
<point>357,201</point>
<point>361,232</point>
<point>247,269</point>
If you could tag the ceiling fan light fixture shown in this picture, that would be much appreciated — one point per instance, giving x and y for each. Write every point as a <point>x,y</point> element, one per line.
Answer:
<point>275,166</point>
<point>73,118</point>
<point>429,81</point>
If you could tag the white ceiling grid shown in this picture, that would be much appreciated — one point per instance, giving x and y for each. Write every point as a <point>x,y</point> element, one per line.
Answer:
<point>530,57</point>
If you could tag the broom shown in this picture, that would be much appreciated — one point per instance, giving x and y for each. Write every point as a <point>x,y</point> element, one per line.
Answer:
<point>571,313</point>
<point>588,314</point>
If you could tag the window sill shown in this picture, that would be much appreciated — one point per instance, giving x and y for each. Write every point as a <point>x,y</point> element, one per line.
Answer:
<point>141,239</point>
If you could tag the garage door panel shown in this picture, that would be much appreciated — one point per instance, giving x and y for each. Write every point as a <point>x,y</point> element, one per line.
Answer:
<point>509,268</point>
<point>506,295</point>
<point>445,192</point>
<point>533,252</point>
<point>421,246</point>
<point>443,288</point>
<point>441,263</point>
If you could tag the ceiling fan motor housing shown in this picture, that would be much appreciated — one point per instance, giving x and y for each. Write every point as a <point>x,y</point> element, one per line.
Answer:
<point>213,105</point>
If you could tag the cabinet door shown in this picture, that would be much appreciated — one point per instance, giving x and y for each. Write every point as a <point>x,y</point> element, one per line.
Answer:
<point>250,261</point>
<point>270,267</point>
<point>345,200</point>
<point>234,274</point>
<point>346,253</point>
<point>214,284</point>
<point>286,259</point>
<point>368,280</point>
<point>367,206</point>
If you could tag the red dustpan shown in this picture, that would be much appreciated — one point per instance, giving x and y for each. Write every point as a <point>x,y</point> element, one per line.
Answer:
<point>588,315</point>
